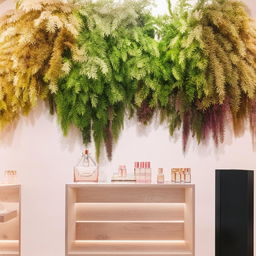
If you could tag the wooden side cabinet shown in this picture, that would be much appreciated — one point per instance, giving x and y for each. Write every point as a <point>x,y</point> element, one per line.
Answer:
<point>130,219</point>
<point>10,220</point>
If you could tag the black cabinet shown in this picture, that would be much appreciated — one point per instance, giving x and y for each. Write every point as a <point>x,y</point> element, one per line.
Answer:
<point>234,213</point>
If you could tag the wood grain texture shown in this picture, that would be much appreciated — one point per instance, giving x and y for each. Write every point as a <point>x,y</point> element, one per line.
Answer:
<point>9,193</point>
<point>189,215</point>
<point>9,215</point>
<point>10,230</point>
<point>130,231</point>
<point>9,248</point>
<point>130,219</point>
<point>129,246</point>
<point>124,194</point>
<point>129,211</point>
<point>10,197</point>
<point>71,215</point>
<point>129,254</point>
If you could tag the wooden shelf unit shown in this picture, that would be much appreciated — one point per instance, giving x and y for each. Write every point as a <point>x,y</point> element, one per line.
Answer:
<point>10,222</point>
<point>130,219</point>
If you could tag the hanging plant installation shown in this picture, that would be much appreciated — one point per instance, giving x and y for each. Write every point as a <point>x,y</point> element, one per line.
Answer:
<point>210,51</point>
<point>116,52</point>
<point>32,41</point>
<point>98,62</point>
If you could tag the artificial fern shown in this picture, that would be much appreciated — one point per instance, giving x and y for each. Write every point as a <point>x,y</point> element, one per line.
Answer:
<point>209,50</point>
<point>32,41</point>
<point>116,51</point>
<point>98,62</point>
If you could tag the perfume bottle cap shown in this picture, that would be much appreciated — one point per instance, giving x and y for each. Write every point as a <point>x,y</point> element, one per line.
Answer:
<point>160,170</point>
<point>142,164</point>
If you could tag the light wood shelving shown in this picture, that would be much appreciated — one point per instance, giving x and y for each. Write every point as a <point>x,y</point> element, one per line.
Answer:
<point>10,221</point>
<point>129,219</point>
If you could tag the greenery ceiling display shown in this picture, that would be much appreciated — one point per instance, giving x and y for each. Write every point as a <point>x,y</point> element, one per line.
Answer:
<point>98,62</point>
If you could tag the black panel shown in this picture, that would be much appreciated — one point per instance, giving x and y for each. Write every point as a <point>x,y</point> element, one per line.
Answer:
<point>234,213</point>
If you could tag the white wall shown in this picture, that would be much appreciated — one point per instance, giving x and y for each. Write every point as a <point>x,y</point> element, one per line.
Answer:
<point>45,159</point>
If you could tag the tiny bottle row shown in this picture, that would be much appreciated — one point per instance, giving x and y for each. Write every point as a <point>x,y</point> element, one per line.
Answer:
<point>87,171</point>
<point>143,174</point>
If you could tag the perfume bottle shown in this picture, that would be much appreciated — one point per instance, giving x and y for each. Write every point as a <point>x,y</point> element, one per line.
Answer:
<point>122,172</point>
<point>188,175</point>
<point>182,175</point>
<point>142,173</point>
<point>173,175</point>
<point>137,171</point>
<point>148,172</point>
<point>160,176</point>
<point>86,170</point>
<point>177,176</point>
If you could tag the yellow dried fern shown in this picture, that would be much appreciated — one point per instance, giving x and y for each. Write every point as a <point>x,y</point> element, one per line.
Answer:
<point>33,40</point>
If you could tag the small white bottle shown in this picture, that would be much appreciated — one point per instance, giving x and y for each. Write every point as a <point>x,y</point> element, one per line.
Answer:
<point>177,176</point>
<point>188,175</point>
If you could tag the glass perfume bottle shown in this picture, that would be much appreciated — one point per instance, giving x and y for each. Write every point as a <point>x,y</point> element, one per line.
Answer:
<point>137,171</point>
<point>177,176</point>
<point>148,172</point>
<point>182,175</point>
<point>122,171</point>
<point>173,175</point>
<point>160,176</point>
<point>188,175</point>
<point>86,170</point>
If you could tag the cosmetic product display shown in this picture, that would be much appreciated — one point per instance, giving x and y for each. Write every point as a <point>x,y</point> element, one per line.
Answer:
<point>10,177</point>
<point>123,175</point>
<point>181,175</point>
<point>86,170</point>
<point>160,176</point>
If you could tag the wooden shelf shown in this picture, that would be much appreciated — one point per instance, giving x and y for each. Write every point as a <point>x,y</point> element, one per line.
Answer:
<point>9,247</point>
<point>10,221</point>
<point>4,217</point>
<point>130,248</point>
<point>130,219</point>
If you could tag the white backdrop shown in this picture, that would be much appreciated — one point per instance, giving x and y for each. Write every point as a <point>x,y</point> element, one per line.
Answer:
<point>45,159</point>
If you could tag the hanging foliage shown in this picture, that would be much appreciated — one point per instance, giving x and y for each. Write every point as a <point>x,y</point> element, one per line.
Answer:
<point>32,41</point>
<point>116,52</point>
<point>98,62</point>
<point>209,50</point>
